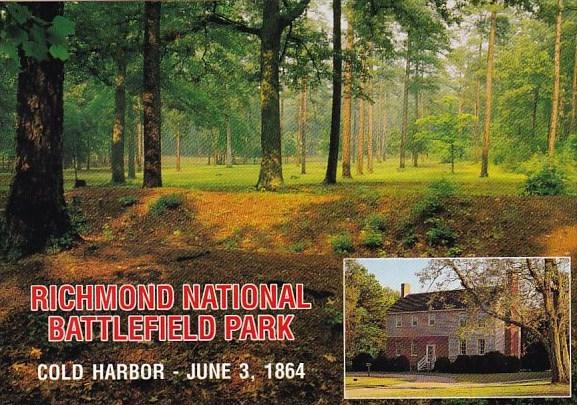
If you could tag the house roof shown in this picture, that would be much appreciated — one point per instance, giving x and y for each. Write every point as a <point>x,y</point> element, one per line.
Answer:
<point>436,300</point>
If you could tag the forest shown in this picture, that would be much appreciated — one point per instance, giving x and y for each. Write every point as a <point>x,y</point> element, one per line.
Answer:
<point>263,141</point>
<point>168,88</point>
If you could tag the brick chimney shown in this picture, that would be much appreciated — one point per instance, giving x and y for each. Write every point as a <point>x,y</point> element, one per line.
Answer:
<point>512,332</point>
<point>405,289</point>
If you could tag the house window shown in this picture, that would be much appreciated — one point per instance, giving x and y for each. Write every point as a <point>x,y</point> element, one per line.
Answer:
<point>399,321</point>
<point>397,349</point>
<point>431,319</point>
<point>482,322</point>
<point>462,321</point>
<point>413,348</point>
<point>463,347</point>
<point>481,346</point>
<point>414,320</point>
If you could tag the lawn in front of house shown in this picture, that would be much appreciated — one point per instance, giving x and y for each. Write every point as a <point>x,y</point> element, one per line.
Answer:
<point>436,385</point>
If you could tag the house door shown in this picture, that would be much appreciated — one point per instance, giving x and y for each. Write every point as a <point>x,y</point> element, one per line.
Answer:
<point>431,355</point>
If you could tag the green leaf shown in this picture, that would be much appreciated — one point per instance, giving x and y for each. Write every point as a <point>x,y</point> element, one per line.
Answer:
<point>8,50</point>
<point>61,27</point>
<point>35,50</point>
<point>59,52</point>
<point>18,12</point>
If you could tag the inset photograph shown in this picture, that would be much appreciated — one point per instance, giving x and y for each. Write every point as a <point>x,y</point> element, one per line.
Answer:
<point>457,327</point>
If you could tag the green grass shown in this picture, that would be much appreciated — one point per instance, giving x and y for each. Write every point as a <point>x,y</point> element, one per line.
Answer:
<point>387,177</point>
<point>463,385</point>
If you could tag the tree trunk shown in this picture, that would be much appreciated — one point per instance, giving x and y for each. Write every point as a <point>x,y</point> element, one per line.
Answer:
<point>132,153</point>
<point>36,209</point>
<point>385,123</point>
<point>489,97</point>
<point>177,150</point>
<point>534,113</point>
<point>228,143</point>
<point>573,128</point>
<point>151,95</point>
<point>405,112</point>
<point>415,151</point>
<point>556,82</point>
<point>139,133</point>
<point>332,162</point>
<point>361,137</point>
<point>117,142</point>
<point>347,104</point>
<point>303,128</point>
<point>370,132</point>
<point>270,176</point>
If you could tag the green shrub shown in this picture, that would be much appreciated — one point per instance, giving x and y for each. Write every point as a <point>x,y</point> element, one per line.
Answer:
<point>342,243</point>
<point>359,362</point>
<point>297,247</point>
<point>377,222</point>
<point>127,201</point>
<point>443,365</point>
<point>433,201</point>
<point>549,180</point>
<point>164,203</point>
<point>371,238</point>
<point>440,234</point>
<point>455,251</point>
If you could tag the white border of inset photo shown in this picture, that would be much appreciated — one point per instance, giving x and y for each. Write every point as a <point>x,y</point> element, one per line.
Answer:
<point>430,288</point>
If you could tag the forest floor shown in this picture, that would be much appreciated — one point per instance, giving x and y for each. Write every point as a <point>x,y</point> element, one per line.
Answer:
<point>232,236</point>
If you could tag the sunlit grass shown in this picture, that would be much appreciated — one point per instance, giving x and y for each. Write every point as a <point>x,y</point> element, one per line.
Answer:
<point>465,385</point>
<point>387,178</point>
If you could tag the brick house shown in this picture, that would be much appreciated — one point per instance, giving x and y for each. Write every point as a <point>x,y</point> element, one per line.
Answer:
<point>426,326</point>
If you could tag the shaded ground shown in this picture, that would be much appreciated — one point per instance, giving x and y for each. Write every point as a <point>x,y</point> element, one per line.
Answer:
<point>218,236</point>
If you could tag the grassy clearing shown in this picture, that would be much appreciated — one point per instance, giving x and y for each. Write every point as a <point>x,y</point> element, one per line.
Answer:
<point>386,177</point>
<point>463,385</point>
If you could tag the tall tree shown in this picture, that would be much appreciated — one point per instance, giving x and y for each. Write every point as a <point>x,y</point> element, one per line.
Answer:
<point>370,131</point>
<point>405,108</point>
<point>228,143</point>
<point>151,95</point>
<point>36,209</point>
<point>555,98</point>
<point>361,137</point>
<point>531,293</point>
<point>118,131</point>
<point>303,127</point>
<point>331,173</point>
<point>488,94</point>
<point>347,102</point>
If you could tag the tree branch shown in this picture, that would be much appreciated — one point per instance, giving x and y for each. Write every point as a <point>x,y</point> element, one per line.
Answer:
<point>293,13</point>
<point>239,26</point>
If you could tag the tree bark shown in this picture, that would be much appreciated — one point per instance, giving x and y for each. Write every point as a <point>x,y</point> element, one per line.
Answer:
<point>370,132</point>
<point>332,162</point>
<point>151,96</point>
<point>228,143</point>
<point>551,138</point>
<point>270,176</point>
<point>361,137</point>
<point>139,134</point>
<point>573,128</point>
<point>489,97</point>
<point>405,112</point>
<point>347,104</point>
<point>132,153</point>
<point>177,139</point>
<point>117,142</point>
<point>303,128</point>
<point>36,210</point>
<point>385,123</point>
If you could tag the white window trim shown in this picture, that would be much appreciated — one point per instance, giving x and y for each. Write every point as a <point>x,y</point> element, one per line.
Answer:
<point>414,321</point>
<point>432,317</point>
<point>399,321</point>
<point>462,321</point>
<point>413,349</point>
<point>461,341</point>
<point>479,346</point>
